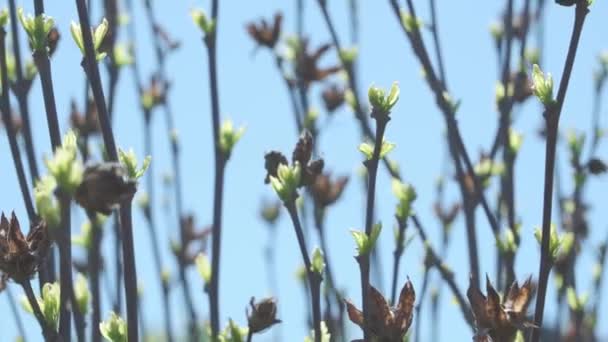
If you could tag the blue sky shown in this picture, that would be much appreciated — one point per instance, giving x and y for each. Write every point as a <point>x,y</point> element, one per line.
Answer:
<point>252,94</point>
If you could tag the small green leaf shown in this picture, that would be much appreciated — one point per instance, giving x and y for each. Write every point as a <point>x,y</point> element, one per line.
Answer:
<point>542,86</point>
<point>82,294</point>
<point>204,267</point>
<point>3,17</point>
<point>376,229</point>
<point>114,329</point>
<point>361,240</point>
<point>318,261</point>
<point>200,19</point>
<point>367,149</point>
<point>387,147</point>
<point>129,161</point>
<point>229,136</point>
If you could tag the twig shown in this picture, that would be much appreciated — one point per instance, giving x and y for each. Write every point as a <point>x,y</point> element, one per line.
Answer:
<point>15,312</point>
<point>11,133</point>
<point>21,93</point>
<point>552,114</point>
<point>175,156</point>
<point>314,279</point>
<point>446,274</point>
<point>92,70</point>
<point>48,332</point>
<point>94,268</point>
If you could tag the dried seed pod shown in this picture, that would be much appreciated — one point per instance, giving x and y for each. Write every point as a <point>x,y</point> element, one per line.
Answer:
<point>263,314</point>
<point>265,34</point>
<point>386,323</point>
<point>20,256</point>
<point>104,186</point>
<point>272,161</point>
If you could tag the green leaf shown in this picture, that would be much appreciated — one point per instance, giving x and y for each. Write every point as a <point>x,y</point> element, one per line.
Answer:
<point>542,86</point>
<point>114,329</point>
<point>204,267</point>
<point>200,19</point>
<point>393,95</point>
<point>367,149</point>
<point>376,229</point>
<point>387,147</point>
<point>129,161</point>
<point>318,261</point>
<point>64,166</point>
<point>361,240</point>
<point>82,294</point>
<point>3,17</point>
<point>229,136</point>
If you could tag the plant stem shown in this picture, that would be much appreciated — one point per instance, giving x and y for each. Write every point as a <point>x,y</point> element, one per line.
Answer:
<point>249,336</point>
<point>94,259</point>
<point>11,133</point>
<point>552,114</point>
<point>220,162</point>
<point>21,93</point>
<point>65,267</point>
<point>92,71</point>
<point>397,258</point>
<point>13,305</point>
<point>446,274</point>
<point>372,171</point>
<point>47,331</point>
<point>425,285</point>
<point>314,279</point>
<point>149,215</point>
<point>175,152</point>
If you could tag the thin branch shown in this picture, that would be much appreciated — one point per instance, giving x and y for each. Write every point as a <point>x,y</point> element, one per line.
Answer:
<point>92,70</point>
<point>552,114</point>
<point>314,279</point>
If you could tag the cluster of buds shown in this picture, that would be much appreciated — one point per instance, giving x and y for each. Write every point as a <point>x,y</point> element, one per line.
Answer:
<point>386,323</point>
<point>98,34</point>
<point>286,179</point>
<point>265,34</point>
<point>498,320</point>
<point>20,256</point>
<point>114,329</point>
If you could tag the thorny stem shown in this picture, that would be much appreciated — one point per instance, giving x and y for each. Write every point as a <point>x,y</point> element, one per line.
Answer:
<point>92,70</point>
<point>11,133</point>
<point>446,274</point>
<point>48,332</point>
<point>314,279</point>
<point>552,114</point>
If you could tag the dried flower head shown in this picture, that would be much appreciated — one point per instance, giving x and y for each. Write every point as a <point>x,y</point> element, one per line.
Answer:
<point>302,154</point>
<point>85,124</point>
<point>272,161</point>
<point>265,34</point>
<point>307,68</point>
<point>500,320</point>
<point>326,191</point>
<point>263,314</point>
<point>333,97</point>
<point>386,324</point>
<point>194,241</point>
<point>104,186</point>
<point>20,256</point>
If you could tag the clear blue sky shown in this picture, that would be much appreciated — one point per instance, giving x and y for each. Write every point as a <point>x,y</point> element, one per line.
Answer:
<point>253,94</point>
